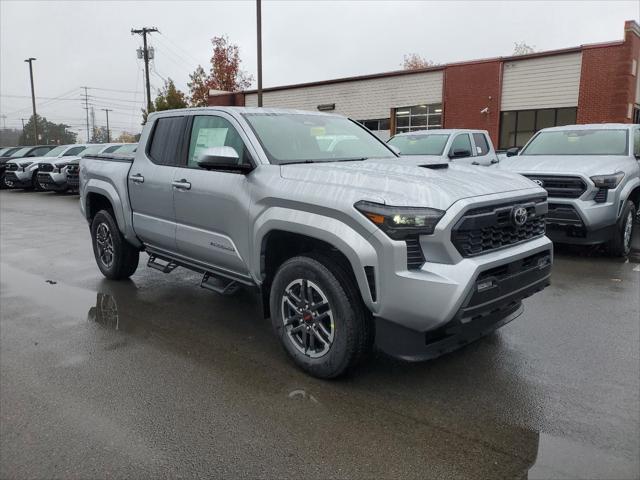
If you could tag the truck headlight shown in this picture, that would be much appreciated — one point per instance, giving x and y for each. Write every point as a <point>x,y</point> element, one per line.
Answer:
<point>401,222</point>
<point>608,181</point>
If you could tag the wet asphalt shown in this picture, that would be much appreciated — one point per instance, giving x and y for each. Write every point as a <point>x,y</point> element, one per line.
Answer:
<point>156,377</point>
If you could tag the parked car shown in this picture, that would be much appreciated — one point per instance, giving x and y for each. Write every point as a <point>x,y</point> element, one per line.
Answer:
<point>73,168</point>
<point>346,247</point>
<point>469,147</point>
<point>592,175</point>
<point>23,173</point>
<point>53,171</point>
<point>14,153</point>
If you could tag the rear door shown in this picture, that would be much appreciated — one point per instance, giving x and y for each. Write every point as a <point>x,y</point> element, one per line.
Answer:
<point>212,206</point>
<point>149,182</point>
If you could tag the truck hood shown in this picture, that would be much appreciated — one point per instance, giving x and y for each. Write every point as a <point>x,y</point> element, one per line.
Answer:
<point>407,181</point>
<point>588,165</point>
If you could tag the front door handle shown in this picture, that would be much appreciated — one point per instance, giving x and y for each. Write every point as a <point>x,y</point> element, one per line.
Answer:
<point>137,178</point>
<point>181,184</point>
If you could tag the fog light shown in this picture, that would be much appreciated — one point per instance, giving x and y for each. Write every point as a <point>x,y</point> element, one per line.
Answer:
<point>485,285</point>
<point>544,262</point>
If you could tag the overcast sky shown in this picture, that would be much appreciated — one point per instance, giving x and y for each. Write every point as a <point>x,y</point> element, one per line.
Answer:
<point>89,43</point>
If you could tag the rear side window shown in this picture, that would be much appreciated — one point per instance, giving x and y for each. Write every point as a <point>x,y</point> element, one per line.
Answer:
<point>166,138</point>
<point>636,143</point>
<point>482,146</point>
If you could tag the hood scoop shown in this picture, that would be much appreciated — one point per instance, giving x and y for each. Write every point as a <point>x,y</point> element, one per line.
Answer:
<point>435,166</point>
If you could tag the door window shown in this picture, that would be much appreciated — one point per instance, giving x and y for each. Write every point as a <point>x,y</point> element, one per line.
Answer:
<point>166,139</point>
<point>39,152</point>
<point>482,146</point>
<point>209,132</point>
<point>461,142</point>
<point>636,143</point>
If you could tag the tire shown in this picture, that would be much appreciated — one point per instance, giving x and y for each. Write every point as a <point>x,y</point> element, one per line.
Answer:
<point>117,259</point>
<point>331,339</point>
<point>620,243</point>
<point>3,185</point>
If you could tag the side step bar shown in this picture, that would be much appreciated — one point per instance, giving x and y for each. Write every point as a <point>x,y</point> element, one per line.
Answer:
<point>157,264</point>
<point>220,285</point>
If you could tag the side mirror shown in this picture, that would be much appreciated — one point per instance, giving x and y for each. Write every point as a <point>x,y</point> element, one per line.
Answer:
<point>395,149</point>
<point>513,151</point>
<point>460,153</point>
<point>222,158</point>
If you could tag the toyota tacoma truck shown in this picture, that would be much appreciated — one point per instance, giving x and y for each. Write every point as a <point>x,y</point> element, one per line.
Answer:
<point>348,244</point>
<point>465,147</point>
<point>592,176</point>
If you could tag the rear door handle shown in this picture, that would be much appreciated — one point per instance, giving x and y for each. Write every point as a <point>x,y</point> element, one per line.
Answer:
<point>181,184</point>
<point>137,178</point>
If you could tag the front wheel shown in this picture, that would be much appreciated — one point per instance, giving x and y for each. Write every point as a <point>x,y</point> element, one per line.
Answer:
<point>117,259</point>
<point>318,315</point>
<point>620,244</point>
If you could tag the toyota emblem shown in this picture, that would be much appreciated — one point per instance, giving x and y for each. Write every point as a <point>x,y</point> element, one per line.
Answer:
<point>539,182</point>
<point>519,216</point>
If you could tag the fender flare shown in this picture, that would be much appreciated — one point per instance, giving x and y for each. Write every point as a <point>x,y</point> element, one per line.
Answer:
<point>352,244</point>
<point>629,187</point>
<point>120,206</point>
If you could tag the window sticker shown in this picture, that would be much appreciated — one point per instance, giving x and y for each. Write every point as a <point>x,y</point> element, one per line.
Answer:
<point>209,137</point>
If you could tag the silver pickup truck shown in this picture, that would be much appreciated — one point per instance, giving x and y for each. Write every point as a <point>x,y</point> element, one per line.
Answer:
<point>592,176</point>
<point>461,146</point>
<point>347,243</point>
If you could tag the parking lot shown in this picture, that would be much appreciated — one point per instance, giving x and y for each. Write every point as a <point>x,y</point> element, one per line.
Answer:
<point>157,377</point>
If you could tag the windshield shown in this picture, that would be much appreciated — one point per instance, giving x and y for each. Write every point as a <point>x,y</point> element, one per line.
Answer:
<point>91,150</point>
<point>9,151</point>
<point>300,138</point>
<point>128,148</point>
<point>578,142</point>
<point>56,152</point>
<point>21,152</point>
<point>432,144</point>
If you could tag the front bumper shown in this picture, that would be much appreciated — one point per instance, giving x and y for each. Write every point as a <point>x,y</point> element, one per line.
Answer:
<point>18,179</point>
<point>582,222</point>
<point>56,182</point>
<point>495,300</point>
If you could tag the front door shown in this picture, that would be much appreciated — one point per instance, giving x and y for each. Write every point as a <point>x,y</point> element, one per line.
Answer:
<point>212,207</point>
<point>150,184</point>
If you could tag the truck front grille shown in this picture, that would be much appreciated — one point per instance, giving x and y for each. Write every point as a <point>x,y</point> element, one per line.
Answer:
<point>415,257</point>
<point>45,167</point>
<point>560,187</point>
<point>485,229</point>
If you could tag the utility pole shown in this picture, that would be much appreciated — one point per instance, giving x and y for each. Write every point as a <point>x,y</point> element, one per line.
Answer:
<point>259,27</point>
<point>86,107</point>
<point>107,110</point>
<point>22,124</point>
<point>33,100</point>
<point>144,31</point>
<point>4,121</point>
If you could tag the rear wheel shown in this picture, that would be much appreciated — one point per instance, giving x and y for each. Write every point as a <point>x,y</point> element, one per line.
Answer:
<point>317,313</point>
<point>117,259</point>
<point>620,244</point>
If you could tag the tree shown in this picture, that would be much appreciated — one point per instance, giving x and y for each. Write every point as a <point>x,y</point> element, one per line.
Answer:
<point>48,133</point>
<point>414,61</point>
<point>225,73</point>
<point>126,137</point>
<point>168,98</point>
<point>99,135</point>
<point>521,48</point>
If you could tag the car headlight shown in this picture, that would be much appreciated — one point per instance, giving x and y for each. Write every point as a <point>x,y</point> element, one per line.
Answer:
<point>608,181</point>
<point>401,222</point>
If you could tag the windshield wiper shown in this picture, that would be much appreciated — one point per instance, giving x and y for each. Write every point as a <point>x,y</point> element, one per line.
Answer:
<point>328,160</point>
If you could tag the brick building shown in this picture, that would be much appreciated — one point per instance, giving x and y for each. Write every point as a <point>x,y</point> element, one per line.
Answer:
<point>511,97</point>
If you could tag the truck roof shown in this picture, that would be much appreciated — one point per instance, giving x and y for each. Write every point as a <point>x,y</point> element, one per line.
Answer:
<point>591,126</point>
<point>239,111</point>
<point>441,131</point>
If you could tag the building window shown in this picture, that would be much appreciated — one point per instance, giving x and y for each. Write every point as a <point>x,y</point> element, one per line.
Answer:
<point>376,125</point>
<point>419,117</point>
<point>517,127</point>
<point>636,114</point>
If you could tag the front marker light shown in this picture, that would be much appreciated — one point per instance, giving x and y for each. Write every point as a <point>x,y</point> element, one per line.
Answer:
<point>608,181</point>
<point>401,222</point>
